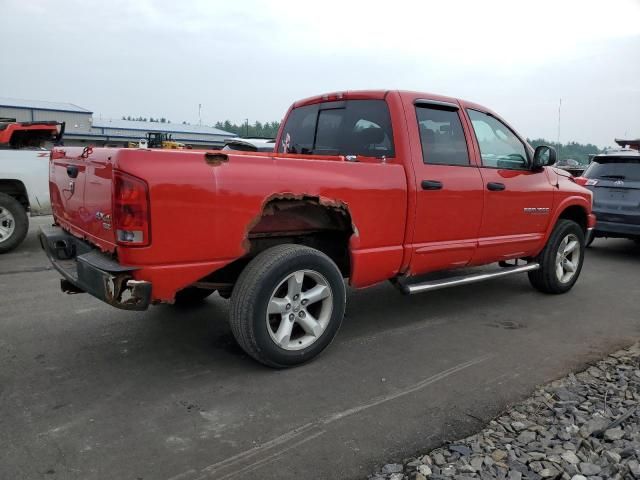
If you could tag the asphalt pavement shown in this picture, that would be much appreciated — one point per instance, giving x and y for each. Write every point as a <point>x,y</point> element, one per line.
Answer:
<point>91,392</point>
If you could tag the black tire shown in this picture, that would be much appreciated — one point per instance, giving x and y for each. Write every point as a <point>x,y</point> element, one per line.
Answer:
<point>546,279</point>
<point>191,296</point>
<point>589,240</point>
<point>20,223</point>
<point>254,289</point>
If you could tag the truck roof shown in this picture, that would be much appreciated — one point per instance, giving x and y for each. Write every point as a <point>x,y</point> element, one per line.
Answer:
<point>381,94</point>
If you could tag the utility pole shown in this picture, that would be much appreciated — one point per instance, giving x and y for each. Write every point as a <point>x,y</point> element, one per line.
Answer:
<point>559,112</point>
<point>199,114</point>
<point>247,123</point>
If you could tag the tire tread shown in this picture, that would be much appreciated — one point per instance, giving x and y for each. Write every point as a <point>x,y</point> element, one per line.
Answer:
<point>21,219</point>
<point>246,288</point>
<point>544,279</point>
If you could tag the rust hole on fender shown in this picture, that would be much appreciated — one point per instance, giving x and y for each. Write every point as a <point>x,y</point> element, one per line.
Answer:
<point>215,158</point>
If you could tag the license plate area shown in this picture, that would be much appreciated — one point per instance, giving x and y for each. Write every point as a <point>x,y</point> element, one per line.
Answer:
<point>617,194</point>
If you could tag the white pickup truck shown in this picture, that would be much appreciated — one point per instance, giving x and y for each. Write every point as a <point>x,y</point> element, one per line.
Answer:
<point>24,176</point>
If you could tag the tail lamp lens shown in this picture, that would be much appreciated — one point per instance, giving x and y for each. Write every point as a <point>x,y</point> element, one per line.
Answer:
<point>130,210</point>
<point>585,181</point>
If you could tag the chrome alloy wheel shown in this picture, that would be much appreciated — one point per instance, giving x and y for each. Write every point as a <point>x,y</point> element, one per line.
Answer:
<point>7,224</point>
<point>299,310</point>
<point>567,258</point>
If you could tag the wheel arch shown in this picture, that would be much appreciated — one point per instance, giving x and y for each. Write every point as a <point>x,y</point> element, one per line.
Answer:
<point>318,222</point>
<point>572,208</point>
<point>314,221</point>
<point>576,213</point>
<point>16,189</point>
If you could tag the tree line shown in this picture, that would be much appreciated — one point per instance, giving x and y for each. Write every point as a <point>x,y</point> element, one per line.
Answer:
<point>256,129</point>
<point>572,150</point>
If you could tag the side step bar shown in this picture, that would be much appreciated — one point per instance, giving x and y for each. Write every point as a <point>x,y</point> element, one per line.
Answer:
<point>410,289</point>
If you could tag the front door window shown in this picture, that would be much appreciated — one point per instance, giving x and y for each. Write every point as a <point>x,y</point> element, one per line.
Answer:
<point>499,146</point>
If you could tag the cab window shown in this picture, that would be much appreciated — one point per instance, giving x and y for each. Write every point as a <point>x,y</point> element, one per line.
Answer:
<point>351,127</point>
<point>442,137</point>
<point>499,146</point>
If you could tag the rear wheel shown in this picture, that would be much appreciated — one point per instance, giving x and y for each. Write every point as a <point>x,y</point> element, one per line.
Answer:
<point>14,223</point>
<point>561,259</point>
<point>287,305</point>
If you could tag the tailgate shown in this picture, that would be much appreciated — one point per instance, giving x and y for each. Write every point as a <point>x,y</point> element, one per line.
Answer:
<point>80,181</point>
<point>617,201</point>
<point>615,182</point>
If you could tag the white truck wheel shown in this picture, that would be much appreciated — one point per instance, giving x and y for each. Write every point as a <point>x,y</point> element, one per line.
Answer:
<point>14,223</point>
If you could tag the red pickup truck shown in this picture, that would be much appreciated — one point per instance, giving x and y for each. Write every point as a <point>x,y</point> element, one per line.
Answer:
<point>365,186</point>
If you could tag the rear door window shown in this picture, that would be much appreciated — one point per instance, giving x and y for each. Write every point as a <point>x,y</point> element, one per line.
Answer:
<point>351,127</point>
<point>442,137</point>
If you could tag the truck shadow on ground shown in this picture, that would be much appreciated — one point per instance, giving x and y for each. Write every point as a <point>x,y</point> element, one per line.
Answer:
<point>615,249</point>
<point>199,335</point>
<point>203,330</point>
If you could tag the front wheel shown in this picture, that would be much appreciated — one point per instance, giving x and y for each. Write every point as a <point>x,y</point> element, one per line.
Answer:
<point>589,240</point>
<point>560,260</point>
<point>287,305</point>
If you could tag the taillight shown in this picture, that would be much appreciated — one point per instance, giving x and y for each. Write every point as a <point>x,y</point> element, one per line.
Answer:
<point>586,182</point>
<point>581,181</point>
<point>130,210</point>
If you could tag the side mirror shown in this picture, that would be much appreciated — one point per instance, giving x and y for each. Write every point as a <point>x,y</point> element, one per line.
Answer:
<point>543,157</point>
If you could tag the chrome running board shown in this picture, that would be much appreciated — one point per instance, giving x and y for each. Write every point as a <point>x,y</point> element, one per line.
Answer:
<point>411,288</point>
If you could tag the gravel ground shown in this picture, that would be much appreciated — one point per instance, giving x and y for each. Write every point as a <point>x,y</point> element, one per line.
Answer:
<point>584,426</point>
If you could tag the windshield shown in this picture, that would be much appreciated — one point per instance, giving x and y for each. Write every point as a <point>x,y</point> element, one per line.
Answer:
<point>352,127</point>
<point>615,168</point>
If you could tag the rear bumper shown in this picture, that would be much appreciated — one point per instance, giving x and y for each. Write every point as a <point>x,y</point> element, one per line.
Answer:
<point>86,269</point>
<point>613,229</point>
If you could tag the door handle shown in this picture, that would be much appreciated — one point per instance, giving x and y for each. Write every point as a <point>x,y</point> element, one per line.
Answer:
<point>431,185</point>
<point>496,187</point>
<point>72,171</point>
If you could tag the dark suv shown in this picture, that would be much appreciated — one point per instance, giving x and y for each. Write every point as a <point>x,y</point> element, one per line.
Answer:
<point>614,179</point>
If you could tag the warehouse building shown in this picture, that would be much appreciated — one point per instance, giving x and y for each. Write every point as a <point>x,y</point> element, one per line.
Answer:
<point>81,128</point>
<point>120,132</point>
<point>77,119</point>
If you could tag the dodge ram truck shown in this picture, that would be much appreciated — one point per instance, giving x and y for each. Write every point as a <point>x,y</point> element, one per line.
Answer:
<point>423,190</point>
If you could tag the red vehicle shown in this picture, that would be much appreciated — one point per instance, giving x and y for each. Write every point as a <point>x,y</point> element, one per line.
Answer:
<point>367,186</point>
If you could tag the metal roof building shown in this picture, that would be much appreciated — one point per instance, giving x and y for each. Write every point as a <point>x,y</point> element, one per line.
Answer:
<point>111,130</point>
<point>83,129</point>
<point>76,118</point>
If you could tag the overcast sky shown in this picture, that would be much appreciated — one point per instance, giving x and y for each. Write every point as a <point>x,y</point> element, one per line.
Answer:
<point>253,58</point>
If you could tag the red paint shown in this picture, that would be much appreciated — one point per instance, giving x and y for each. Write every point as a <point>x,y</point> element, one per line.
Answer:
<point>200,213</point>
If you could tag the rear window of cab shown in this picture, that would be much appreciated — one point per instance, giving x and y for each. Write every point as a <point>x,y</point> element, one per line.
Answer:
<point>349,127</point>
